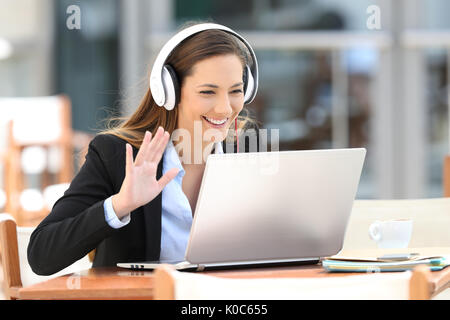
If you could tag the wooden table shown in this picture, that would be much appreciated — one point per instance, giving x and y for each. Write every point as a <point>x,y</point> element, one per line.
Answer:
<point>124,284</point>
<point>95,283</point>
<point>118,283</point>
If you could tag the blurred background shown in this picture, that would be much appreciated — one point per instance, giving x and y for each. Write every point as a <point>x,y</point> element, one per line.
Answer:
<point>333,74</point>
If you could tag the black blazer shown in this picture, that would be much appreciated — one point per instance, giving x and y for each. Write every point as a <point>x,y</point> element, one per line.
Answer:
<point>76,225</point>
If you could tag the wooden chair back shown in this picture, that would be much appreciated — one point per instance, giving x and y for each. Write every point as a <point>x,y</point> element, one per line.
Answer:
<point>17,273</point>
<point>10,258</point>
<point>446,176</point>
<point>29,128</point>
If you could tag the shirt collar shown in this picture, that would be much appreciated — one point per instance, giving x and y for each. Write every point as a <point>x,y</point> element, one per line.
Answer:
<point>218,149</point>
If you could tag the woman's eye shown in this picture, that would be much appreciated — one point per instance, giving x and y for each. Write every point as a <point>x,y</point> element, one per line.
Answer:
<point>207,92</point>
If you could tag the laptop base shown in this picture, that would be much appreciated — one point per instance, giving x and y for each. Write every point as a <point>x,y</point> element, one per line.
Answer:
<point>186,266</point>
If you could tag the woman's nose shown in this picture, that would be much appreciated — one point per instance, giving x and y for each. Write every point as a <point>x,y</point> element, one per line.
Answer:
<point>223,106</point>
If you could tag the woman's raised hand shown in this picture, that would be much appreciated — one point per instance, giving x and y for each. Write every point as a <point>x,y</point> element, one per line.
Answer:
<point>140,185</point>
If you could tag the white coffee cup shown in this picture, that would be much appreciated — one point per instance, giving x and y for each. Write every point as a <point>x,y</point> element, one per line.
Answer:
<point>391,234</point>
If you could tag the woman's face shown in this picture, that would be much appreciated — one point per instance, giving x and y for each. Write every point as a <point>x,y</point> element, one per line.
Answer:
<point>211,97</point>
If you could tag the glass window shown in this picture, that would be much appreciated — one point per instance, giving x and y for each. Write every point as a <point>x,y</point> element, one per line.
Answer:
<point>87,61</point>
<point>277,14</point>
<point>437,140</point>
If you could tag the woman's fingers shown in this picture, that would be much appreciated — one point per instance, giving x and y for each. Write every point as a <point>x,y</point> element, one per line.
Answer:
<point>142,149</point>
<point>152,149</point>
<point>159,150</point>
<point>154,144</point>
<point>128,159</point>
<point>167,177</point>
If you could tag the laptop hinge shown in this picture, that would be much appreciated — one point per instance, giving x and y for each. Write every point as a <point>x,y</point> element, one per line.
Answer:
<point>200,267</point>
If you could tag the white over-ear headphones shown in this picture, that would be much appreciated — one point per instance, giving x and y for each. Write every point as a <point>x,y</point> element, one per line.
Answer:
<point>164,83</point>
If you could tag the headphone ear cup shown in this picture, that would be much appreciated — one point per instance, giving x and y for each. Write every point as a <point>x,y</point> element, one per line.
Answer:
<point>249,84</point>
<point>171,87</point>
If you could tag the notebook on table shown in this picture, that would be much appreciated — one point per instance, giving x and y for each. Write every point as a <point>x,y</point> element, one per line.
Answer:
<point>390,260</point>
<point>434,263</point>
<point>270,208</point>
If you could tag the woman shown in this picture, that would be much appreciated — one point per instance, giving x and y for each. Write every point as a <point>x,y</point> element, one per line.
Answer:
<point>135,195</point>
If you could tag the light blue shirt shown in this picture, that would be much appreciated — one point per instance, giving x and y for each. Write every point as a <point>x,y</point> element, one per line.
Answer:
<point>176,219</point>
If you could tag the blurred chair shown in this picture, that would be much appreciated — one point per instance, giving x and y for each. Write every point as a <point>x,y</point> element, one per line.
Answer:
<point>2,192</point>
<point>446,176</point>
<point>39,144</point>
<point>2,199</point>
<point>171,284</point>
<point>17,272</point>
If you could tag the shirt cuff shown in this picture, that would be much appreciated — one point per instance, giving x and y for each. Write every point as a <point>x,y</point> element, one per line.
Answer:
<point>111,217</point>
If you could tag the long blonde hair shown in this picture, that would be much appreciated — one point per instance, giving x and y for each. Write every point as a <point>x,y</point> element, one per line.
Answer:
<point>149,116</point>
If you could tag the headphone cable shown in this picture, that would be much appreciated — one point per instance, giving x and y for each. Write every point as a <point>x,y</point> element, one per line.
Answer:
<point>237,138</point>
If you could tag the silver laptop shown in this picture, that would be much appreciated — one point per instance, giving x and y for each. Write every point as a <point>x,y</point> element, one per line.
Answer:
<point>270,208</point>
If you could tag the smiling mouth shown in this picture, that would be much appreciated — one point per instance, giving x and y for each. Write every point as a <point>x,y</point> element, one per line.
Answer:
<point>215,122</point>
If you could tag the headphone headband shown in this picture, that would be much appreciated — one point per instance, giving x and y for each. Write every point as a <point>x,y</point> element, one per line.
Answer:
<point>156,77</point>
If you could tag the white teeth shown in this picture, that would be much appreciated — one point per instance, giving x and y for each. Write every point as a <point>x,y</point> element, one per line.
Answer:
<point>218,122</point>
